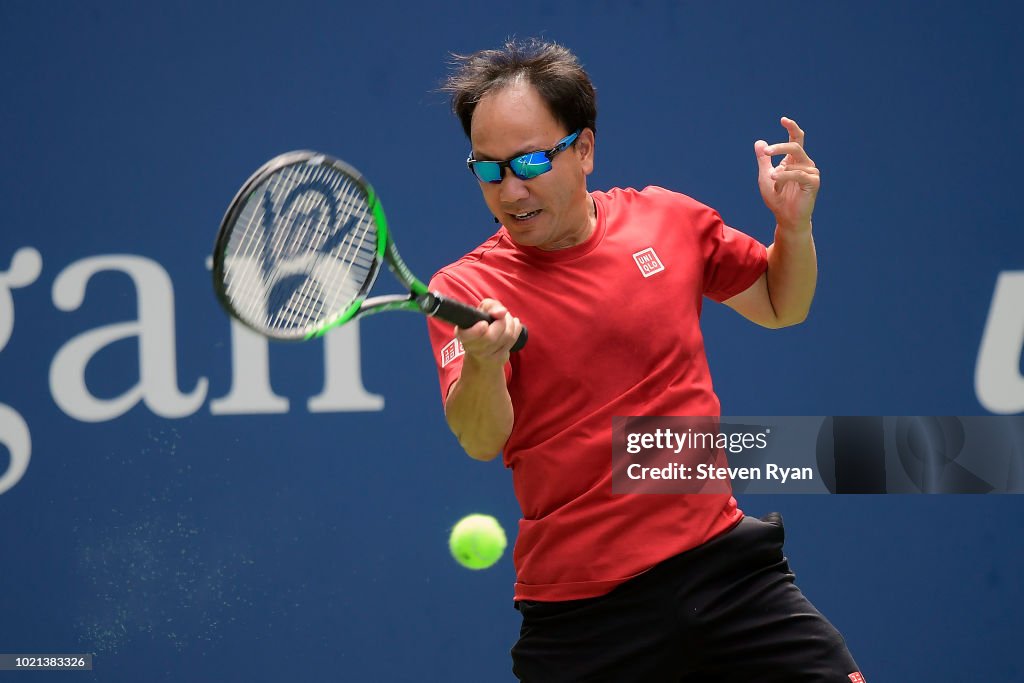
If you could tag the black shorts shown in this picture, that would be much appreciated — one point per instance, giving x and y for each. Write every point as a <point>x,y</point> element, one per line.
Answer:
<point>725,612</point>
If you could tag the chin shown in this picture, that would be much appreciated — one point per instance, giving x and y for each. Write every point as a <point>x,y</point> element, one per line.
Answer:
<point>525,237</point>
<point>534,235</point>
<point>521,240</point>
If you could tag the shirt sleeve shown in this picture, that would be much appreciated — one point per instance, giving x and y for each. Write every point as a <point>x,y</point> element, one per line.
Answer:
<point>447,350</point>
<point>733,260</point>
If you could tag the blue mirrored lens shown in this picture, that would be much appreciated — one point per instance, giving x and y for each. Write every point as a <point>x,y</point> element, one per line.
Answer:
<point>530,165</point>
<point>487,171</point>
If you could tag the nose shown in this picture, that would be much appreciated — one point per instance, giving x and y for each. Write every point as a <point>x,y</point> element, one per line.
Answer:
<point>513,189</point>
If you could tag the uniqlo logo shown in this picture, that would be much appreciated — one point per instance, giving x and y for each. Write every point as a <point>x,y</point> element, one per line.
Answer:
<point>856,677</point>
<point>648,262</point>
<point>451,351</point>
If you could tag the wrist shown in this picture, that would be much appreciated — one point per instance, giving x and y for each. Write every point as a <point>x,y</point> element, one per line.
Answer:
<point>485,364</point>
<point>793,230</point>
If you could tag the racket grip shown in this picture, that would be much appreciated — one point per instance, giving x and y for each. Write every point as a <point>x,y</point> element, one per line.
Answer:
<point>461,315</point>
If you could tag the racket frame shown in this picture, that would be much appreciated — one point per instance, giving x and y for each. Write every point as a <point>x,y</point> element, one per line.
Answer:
<point>419,299</point>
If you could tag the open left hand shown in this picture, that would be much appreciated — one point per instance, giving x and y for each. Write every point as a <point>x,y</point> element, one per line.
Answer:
<point>789,189</point>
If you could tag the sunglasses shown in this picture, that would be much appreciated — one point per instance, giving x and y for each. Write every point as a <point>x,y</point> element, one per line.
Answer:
<point>524,167</point>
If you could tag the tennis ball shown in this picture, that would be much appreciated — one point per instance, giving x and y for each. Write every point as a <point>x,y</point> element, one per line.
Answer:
<point>477,541</point>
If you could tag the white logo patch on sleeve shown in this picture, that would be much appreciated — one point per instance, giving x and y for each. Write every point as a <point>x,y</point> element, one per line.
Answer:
<point>451,351</point>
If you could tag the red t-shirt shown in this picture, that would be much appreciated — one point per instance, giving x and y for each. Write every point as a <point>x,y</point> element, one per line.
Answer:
<point>614,330</point>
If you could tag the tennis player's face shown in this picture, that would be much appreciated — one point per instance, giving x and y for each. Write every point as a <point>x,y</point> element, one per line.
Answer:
<point>551,211</point>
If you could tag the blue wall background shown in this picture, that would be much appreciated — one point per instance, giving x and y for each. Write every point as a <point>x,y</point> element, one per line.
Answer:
<point>213,547</point>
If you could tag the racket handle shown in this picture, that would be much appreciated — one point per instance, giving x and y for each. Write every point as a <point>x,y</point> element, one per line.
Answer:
<point>461,315</point>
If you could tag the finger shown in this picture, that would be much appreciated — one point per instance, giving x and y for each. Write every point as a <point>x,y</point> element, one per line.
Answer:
<point>493,307</point>
<point>498,341</point>
<point>780,171</point>
<point>471,335</point>
<point>498,329</point>
<point>789,165</point>
<point>796,134</point>
<point>804,178</point>
<point>485,346</point>
<point>502,344</point>
<point>513,333</point>
<point>793,149</point>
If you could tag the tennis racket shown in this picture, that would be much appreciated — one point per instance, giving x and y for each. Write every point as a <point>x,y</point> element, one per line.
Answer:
<point>300,246</point>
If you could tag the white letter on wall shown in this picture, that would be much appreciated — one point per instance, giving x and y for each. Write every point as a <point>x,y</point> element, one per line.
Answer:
<point>997,378</point>
<point>14,435</point>
<point>154,328</point>
<point>343,374</point>
<point>250,377</point>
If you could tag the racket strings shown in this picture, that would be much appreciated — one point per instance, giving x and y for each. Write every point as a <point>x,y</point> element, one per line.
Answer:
<point>297,307</point>
<point>302,249</point>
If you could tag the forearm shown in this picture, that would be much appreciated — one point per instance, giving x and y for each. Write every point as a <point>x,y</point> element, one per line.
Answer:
<point>479,409</point>
<point>792,275</point>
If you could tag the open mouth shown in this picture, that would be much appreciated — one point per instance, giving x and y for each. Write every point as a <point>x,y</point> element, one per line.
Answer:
<point>526,215</point>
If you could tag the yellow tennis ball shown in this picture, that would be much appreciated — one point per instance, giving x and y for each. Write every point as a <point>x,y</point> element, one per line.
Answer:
<point>477,541</point>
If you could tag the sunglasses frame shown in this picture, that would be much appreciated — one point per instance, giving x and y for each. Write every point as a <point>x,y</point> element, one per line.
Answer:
<point>549,154</point>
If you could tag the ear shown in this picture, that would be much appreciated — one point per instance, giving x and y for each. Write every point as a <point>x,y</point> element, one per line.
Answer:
<point>585,150</point>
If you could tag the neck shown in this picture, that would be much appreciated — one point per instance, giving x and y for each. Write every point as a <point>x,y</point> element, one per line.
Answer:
<point>582,233</point>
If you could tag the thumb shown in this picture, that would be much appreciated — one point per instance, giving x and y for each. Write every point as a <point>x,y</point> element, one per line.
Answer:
<point>764,165</point>
<point>764,161</point>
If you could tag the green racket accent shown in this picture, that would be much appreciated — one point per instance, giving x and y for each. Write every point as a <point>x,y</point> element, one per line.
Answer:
<point>345,316</point>
<point>383,236</point>
<point>394,261</point>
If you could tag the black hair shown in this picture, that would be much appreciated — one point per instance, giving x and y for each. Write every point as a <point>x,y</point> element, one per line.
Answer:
<point>549,67</point>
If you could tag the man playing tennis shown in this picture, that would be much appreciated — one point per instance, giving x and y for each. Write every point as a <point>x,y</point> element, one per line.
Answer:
<point>618,587</point>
